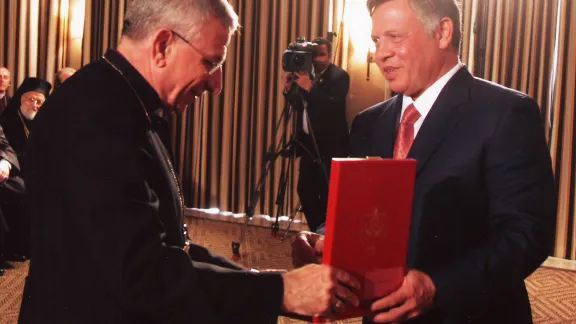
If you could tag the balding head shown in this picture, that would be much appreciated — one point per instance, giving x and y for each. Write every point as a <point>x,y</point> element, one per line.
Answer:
<point>4,80</point>
<point>62,75</point>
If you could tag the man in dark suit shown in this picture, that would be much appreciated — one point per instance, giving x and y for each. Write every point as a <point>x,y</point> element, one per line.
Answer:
<point>107,236</point>
<point>322,129</point>
<point>10,181</point>
<point>484,203</point>
<point>5,82</point>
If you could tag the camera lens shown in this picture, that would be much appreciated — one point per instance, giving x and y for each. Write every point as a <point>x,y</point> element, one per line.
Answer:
<point>298,60</point>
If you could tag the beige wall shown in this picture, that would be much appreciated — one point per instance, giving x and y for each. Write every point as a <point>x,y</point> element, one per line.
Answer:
<point>364,93</point>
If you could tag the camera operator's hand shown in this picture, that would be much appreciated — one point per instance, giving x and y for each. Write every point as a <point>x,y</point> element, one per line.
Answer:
<point>287,80</point>
<point>307,248</point>
<point>318,290</point>
<point>304,81</point>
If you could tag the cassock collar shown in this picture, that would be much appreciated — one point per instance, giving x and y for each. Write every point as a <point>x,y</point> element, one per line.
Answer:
<point>147,94</point>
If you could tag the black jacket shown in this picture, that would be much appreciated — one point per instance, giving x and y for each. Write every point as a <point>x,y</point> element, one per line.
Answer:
<point>326,107</point>
<point>106,216</point>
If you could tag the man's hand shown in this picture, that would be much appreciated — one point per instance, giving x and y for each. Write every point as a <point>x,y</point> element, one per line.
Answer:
<point>287,80</point>
<point>318,290</point>
<point>304,81</point>
<point>4,170</point>
<point>307,248</point>
<point>415,297</point>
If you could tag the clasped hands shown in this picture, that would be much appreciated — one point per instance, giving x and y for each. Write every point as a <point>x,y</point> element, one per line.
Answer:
<point>414,297</point>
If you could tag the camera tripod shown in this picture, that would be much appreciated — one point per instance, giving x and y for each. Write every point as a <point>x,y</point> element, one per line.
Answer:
<point>285,149</point>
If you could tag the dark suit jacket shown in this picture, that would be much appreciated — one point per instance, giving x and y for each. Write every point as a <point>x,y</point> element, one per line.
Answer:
<point>106,217</point>
<point>4,103</point>
<point>12,122</point>
<point>327,112</point>
<point>484,203</point>
<point>14,183</point>
<point>7,152</point>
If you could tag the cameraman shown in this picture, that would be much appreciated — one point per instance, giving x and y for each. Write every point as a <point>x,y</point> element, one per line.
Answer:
<point>323,104</point>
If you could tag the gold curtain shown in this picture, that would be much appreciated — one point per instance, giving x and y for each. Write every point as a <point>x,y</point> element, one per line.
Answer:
<point>102,27</point>
<point>39,37</point>
<point>526,41</point>
<point>562,103</point>
<point>221,143</point>
<point>35,38</point>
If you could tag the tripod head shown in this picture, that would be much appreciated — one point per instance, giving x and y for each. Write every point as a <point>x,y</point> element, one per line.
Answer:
<point>293,95</point>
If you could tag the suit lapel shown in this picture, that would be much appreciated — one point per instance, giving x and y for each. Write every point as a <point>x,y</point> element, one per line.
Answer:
<point>385,130</point>
<point>443,116</point>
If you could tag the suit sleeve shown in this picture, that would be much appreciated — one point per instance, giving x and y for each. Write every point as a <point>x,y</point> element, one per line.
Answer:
<point>117,213</point>
<point>202,254</point>
<point>522,209</point>
<point>6,151</point>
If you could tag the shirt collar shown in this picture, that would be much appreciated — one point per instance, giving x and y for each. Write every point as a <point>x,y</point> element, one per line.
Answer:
<point>147,94</point>
<point>424,103</point>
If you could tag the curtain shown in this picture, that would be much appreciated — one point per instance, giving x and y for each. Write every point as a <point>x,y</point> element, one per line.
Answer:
<point>223,143</point>
<point>102,27</point>
<point>562,103</point>
<point>35,38</point>
<point>530,45</point>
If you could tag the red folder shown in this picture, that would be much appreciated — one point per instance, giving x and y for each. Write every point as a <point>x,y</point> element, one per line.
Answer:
<point>368,224</point>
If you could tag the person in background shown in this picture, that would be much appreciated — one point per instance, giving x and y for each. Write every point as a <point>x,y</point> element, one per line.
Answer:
<point>322,124</point>
<point>17,123</point>
<point>484,206</point>
<point>9,181</point>
<point>18,117</point>
<point>62,75</point>
<point>108,240</point>
<point>5,82</point>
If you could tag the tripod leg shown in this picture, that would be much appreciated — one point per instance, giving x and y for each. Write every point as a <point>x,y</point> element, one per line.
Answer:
<point>298,209</point>
<point>268,162</point>
<point>252,205</point>
<point>284,175</point>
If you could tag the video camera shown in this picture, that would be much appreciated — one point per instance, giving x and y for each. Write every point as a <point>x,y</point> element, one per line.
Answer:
<point>299,56</point>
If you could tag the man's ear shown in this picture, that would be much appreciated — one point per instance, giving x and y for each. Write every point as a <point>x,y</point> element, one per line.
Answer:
<point>445,32</point>
<point>162,49</point>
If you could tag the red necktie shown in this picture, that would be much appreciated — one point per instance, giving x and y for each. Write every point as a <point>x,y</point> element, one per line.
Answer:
<point>405,135</point>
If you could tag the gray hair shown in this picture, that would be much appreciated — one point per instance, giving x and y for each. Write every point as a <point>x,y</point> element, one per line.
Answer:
<point>430,12</point>
<point>57,77</point>
<point>183,16</point>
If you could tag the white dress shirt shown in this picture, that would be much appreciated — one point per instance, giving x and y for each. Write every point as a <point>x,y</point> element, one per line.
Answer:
<point>424,103</point>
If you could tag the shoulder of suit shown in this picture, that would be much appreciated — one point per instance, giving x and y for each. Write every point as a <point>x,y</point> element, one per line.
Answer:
<point>378,108</point>
<point>491,91</point>
<point>336,70</point>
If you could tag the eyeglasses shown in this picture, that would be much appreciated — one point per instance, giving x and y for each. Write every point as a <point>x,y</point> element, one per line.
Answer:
<point>212,66</point>
<point>31,100</point>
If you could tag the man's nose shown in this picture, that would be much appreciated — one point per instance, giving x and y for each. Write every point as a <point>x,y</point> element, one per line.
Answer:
<point>383,52</point>
<point>214,82</point>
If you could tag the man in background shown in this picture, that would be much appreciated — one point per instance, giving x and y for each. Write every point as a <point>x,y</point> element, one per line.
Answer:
<point>322,129</point>
<point>4,85</point>
<point>8,164</point>
<point>62,75</point>
<point>18,117</point>
<point>107,210</point>
<point>484,205</point>
<point>17,123</point>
